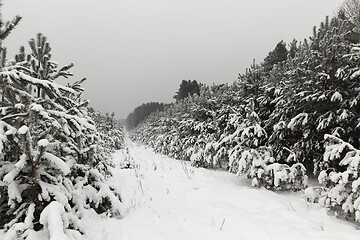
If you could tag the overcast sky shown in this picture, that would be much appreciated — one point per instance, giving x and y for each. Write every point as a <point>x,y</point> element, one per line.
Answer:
<point>138,51</point>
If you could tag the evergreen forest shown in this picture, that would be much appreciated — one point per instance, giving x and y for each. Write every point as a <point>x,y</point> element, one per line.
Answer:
<point>289,120</point>
<point>293,116</point>
<point>54,152</point>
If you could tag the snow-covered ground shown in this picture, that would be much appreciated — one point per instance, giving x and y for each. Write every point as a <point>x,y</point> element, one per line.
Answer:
<point>168,199</point>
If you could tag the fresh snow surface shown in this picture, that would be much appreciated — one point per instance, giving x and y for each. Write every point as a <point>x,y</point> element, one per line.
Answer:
<point>166,199</point>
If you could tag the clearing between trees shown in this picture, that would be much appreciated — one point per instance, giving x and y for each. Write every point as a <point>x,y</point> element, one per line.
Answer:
<point>168,199</point>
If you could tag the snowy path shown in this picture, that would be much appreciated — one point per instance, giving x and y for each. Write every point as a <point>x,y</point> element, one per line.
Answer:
<point>167,201</point>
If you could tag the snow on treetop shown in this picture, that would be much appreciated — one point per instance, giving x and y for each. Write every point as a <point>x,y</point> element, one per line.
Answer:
<point>43,143</point>
<point>355,74</point>
<point>336,97</point>
<point>301,118</point>
<point>53,218</point>
<point>37,107</point>
<point>19,106</point>
<point>14,193</point>
<point>57,162</point>
<point>9,177</point>
<point>345,114</point>
<point>4,126</point>
<point>23,130</point>
<point>56,124</point>
<point>340,73</point>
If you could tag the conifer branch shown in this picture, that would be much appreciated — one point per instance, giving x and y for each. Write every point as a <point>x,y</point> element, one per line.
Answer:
<point>14,116</point>
<point>9,26</point>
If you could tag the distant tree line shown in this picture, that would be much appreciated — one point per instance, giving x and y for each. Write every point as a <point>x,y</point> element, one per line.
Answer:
<point>187,88</point>
<point>142,112</point>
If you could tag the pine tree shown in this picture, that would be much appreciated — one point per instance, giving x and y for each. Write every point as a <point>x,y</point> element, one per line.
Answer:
<point>278,55</point>
<point>340,190</point>
<point>40,63</point>
<point>47,149</point>
<point>187,88</point>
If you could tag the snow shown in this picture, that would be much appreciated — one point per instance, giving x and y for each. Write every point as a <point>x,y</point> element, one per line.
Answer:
<point>344,115</point>
<point>336,97</point>
<point>37,107</point>
<point>22,161</point>
<point>57,163</point>
<point>164,199</point>
<point>28,220</point>
<point>23,130</point>
<point>48,190</point>
<point>78,121</point>
<point>322,177</point>
<point>168,199</point>
<point>14,194</point>
<point>355,185</point>
<point>311,194</point>
<point>52,218</point>
<point>43,143</point>
<point>355,74</point>
<point>301,118</point>
<point>9,177</point>
<point>35,81</point>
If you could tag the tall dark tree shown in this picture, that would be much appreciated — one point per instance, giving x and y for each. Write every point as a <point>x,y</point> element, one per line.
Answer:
<point>279,54</point>
<point>187,88</point>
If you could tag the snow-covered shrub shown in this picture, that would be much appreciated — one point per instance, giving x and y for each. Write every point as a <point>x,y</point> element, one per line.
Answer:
<point>258,165</point>
<point>340,178</point>
<point>285,177</point>
<point>313,194</point>
<point>252,163</point>
<point>128,162</point>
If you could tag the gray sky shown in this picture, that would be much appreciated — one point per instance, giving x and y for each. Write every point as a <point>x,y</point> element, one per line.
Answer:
<point>137,51</point>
